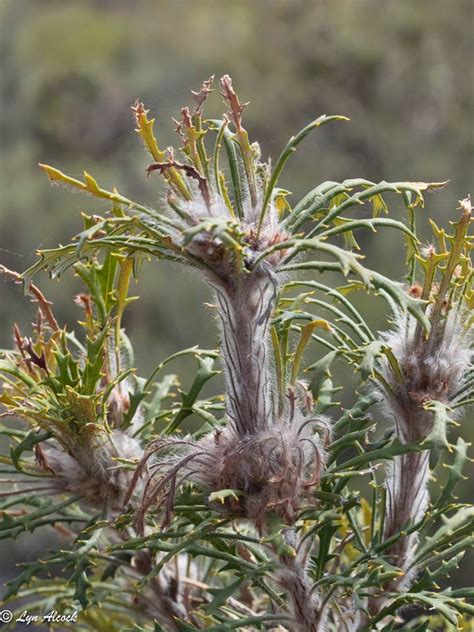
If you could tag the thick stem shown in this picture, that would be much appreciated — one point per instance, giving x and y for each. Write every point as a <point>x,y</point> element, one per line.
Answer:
<point>245,306</point>
<point>306,604</point>
<point>163,602</point>
<point>407,499</point>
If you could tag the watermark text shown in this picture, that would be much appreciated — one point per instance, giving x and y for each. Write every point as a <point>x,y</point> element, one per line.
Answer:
<point>53,616</point>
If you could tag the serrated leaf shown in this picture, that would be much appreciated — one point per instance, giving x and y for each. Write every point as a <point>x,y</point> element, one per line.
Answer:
<point>25,577</point>
<point>28,443</point>
<point>221,595</point>
<point>321,371</point>
<point>437,439</point>
<point>455,472</point>
<point>371,353</point>
<point>81,581</point>
<point>204,374</point>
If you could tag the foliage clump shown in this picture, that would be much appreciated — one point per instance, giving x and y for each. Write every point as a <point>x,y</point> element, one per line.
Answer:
<point>260,518</point>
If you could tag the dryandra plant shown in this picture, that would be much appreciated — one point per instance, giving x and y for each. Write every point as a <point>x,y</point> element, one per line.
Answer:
<point>260,519</point>
<point>425,388</point>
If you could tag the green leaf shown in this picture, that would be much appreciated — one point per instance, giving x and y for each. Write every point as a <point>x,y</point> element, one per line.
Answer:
<point>11,369</point>
<point>320,371</point>
<point>371,353</point>
<point>221,595</point>
<point>275,534</point>
<point>358,412</point>
<point>204,374</point>
<point>28,443</point>
<point>285,154</point>
<point>392,291</point>
<point>437,439</point>
<point>386,453</point>
<point>455,472</point>
<point>94,362</point>
<point>460,524</point>
<point>136,399</point>
<point>25,577</point>
<point>81,581</point>
<point>47,513</point>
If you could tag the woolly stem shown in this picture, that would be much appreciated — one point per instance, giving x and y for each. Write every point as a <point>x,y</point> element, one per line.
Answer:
<point>164,603</point>
<point>306,603</point>
<point>407,499</point>
<point>245,306</point>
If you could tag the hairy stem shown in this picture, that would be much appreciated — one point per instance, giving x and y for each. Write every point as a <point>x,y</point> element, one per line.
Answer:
<point>407,500</point>
<point>163,603</point>
<point>305,603</point>
<point>245,306</point>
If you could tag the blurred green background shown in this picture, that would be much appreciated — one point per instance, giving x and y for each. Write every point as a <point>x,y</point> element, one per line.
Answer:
<point>402,70</point>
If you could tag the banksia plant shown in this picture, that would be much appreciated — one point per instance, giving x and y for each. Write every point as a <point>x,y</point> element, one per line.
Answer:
<point>78,395</point>
<point>83,403</point>
<point>427,374</point>
<point>255,520</point>
<point>269,457</point>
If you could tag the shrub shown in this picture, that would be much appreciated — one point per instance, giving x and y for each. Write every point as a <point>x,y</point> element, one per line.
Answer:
<point>262,518</point>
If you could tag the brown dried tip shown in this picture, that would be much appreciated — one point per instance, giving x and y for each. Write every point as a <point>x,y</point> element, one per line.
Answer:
<point>37,324</point>
<point>41,459</point>
<point>235,107</point>
<point>34,358</point>
<point>18,340</point>
<point>179,128</point>
<point>189,170</point>
<point>85,302</point>
<point>35,293</point>
<point>202,95</point>
<point>187,121</point>
<point>82,300</point>
<point>139,109</point>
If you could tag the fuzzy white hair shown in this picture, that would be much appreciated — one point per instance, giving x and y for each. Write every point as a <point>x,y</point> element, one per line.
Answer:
<point>93,471</point>
<point>432,369</point>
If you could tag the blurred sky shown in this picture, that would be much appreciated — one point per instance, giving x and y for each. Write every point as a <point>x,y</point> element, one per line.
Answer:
<point>402,70</point>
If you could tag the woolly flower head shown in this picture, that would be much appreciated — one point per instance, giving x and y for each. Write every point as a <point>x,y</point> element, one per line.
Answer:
<point>227,245</point>
<point>250,476</point>
<point>93,473</point>
<point>433,369</point>
<point>75,398</point>
<point>435,365</point>
<point>223,228</point>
